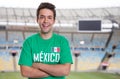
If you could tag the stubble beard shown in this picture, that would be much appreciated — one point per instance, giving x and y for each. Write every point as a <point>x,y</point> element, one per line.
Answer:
<point>47,32</point>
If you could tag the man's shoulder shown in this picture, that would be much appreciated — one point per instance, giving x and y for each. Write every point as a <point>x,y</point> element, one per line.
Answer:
<point>59,36</point>
<point>32,36</point>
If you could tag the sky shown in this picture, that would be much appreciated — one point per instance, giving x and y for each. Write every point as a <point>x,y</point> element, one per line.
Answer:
<point>61,4</point>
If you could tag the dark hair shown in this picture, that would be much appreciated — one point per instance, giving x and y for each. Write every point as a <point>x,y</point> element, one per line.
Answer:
<point>47,6</point>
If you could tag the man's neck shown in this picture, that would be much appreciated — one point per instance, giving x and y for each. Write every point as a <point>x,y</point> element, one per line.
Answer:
<point>46,36</point>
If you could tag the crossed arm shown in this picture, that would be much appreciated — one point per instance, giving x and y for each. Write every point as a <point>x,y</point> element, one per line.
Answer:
<point>31,72</point>
<point>39,70</point>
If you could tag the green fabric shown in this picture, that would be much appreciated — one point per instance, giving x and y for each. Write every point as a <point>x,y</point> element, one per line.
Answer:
<point>55,50</point>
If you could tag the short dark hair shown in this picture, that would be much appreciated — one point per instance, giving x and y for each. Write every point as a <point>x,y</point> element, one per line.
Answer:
<point>46,5</point>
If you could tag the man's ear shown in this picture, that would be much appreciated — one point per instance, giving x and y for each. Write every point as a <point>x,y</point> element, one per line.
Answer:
<point>37,20</point>
<point>54,21</point>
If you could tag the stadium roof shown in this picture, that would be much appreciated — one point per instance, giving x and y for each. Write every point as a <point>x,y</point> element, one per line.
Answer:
<point>65,17</point>
<point>61,4</point>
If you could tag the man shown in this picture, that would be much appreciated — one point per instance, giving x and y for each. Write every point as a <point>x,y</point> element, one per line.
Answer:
<point>45,55</point>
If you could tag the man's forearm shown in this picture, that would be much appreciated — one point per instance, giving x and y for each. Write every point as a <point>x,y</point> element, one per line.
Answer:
<point>54,70</point>
<point>32,72</point>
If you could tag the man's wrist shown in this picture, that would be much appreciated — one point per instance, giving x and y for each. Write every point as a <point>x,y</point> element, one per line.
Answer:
<point>36,65</point>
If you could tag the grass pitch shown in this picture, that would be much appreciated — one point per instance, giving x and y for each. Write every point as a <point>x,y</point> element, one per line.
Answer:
<point>73,75</point>
<point>93,75</point>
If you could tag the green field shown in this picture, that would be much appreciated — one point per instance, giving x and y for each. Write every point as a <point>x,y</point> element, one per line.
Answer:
<point>73,75</point>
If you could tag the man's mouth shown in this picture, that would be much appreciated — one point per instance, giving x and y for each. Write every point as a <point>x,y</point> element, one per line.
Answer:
<point>45,25</point>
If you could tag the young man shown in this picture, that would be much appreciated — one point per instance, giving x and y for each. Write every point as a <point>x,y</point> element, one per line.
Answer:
<point>45,55</point>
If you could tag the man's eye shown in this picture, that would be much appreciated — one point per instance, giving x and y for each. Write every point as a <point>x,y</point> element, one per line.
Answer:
<point>50,17</point>
<point>41,17</point>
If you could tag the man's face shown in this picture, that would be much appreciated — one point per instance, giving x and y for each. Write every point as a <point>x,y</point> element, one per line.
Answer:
<point>46,20</point>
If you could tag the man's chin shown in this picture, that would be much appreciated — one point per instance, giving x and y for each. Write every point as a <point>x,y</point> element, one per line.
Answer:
<point>43,32</point>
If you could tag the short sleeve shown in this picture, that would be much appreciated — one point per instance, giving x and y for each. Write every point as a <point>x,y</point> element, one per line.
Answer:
<point>25,56</point>
<point>65,55</point>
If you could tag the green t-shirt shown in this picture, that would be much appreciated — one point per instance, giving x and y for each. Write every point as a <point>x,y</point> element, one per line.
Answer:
<point>55,50</point>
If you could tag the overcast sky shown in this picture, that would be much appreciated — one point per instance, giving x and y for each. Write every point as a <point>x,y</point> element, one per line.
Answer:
<point>61,4</point>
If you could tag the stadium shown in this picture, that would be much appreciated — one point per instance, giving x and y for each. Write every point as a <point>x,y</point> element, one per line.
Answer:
<point>94,49</point>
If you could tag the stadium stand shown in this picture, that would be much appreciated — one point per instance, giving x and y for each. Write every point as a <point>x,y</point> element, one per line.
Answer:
<point>92,46</point>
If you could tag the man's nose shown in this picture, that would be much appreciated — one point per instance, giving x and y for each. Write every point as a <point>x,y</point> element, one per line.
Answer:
<point>46,19</point>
